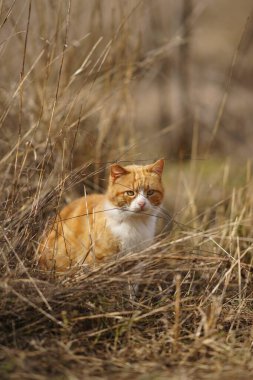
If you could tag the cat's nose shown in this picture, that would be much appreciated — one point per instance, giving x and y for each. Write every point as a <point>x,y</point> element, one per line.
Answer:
<point>142,203</point>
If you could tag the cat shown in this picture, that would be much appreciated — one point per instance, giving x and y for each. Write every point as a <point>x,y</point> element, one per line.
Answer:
<point>94,227</point>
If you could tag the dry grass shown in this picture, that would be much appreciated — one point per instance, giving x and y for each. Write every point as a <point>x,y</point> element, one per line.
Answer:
<point>69,107</point>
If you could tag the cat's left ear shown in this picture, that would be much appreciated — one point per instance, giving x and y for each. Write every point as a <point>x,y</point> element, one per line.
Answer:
<point>157,167</point>
<point>117,171</point>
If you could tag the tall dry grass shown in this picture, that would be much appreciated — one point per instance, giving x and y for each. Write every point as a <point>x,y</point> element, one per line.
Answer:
<point>71,78</point>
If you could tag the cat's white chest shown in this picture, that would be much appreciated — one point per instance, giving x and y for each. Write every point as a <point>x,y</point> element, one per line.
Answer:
<point>132,232</point>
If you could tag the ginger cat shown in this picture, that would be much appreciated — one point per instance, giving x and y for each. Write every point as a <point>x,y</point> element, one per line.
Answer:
<point>92,228</point>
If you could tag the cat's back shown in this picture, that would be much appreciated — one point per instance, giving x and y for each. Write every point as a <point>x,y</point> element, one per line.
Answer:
<point>75,216</point>
<point>82,206</point>
<point>69,234</point>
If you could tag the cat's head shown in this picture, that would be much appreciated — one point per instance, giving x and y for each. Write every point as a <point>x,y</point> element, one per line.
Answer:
<point>136,189</point>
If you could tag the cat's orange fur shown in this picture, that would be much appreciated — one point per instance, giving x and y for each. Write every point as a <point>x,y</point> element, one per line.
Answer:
<point>97,226</point>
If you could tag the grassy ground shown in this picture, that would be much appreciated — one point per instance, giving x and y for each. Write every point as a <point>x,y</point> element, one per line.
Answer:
<point>75,100</point>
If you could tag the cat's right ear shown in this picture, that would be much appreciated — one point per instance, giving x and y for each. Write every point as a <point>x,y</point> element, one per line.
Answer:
<point>157,167</point>
<point>117,171</point>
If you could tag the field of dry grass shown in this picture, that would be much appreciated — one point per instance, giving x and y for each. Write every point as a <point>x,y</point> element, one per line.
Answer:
<point>88,83</point>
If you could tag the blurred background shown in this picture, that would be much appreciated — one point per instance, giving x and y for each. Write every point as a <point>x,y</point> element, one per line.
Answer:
<point>106,80</point>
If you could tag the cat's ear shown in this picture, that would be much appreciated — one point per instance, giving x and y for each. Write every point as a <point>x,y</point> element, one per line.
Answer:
<point>117,171</point>
<point>157,167</point>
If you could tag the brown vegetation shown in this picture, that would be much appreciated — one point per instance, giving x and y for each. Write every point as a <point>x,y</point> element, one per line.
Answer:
<point>88,83</point>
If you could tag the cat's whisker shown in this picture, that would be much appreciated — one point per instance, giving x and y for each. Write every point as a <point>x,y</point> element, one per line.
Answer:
<point>111,209</point>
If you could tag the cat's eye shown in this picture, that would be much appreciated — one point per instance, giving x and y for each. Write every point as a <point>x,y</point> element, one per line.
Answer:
<point>150,192</point>
<point>130,193</point>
